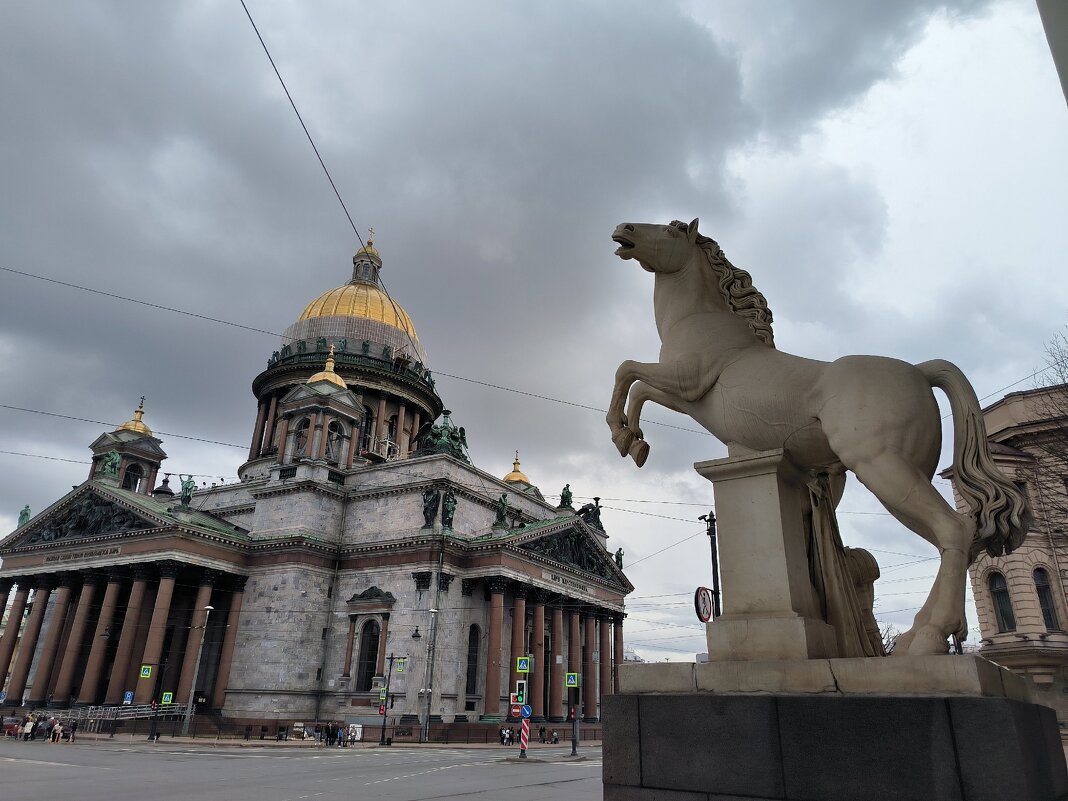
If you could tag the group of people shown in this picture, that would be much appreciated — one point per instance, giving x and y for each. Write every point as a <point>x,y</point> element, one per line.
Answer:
<point>335,734</point>
<point>50,730</point>
<point>508,736</point>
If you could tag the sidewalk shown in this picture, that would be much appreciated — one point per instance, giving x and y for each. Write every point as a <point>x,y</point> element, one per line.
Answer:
<point>167,740</point>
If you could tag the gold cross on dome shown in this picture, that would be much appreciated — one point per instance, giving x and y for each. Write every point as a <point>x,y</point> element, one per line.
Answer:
<point>370,235</point>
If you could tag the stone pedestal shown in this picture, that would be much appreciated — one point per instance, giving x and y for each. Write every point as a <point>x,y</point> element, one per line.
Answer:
<point>829,730</point>
<point>771,609</point>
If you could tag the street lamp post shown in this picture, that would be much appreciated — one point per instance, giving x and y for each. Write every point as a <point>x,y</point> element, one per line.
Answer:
<point>196,671</point>
<point>430,673</point>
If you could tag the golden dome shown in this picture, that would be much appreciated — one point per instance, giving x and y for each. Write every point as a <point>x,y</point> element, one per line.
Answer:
<point>516,474</point>
<point>359,299</point>
<point>328,374</point>
<point>137,425</point>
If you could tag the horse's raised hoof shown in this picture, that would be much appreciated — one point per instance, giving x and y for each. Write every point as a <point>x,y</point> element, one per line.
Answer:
<point>639,451</point>
<point>623,440</point>
<point>926,641</point>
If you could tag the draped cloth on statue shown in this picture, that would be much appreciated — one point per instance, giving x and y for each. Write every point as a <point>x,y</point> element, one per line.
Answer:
<point>845,577</point>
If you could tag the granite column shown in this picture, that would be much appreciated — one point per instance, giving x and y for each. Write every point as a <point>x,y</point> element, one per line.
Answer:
<point>124,651</point>
<point>99,647</point>
<point>16,686</point>
<point>42,678</point>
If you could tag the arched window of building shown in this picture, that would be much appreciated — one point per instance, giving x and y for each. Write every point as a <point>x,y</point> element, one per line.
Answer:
<point>335,433</point>
<point>131,479</point>
<point>300,437</point>
<point>368,658</point>
<point>1045,599</point>
<point>367,427</point>
<point>474,639</point>
<point>391,429</point>
<point>999,593</point>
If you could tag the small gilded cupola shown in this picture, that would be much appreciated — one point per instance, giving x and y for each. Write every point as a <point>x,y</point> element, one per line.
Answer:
<point>129,456</point>
<point>518,479</point>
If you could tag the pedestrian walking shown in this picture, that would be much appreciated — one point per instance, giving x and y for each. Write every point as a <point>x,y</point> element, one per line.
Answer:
<point>27,729</point>
<point>73,730</point>
<point>541,733</point>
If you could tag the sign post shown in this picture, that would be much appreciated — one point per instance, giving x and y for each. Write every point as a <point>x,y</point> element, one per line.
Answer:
<point>571,681</point>
<point>524,731</point>
<point>383,694</point>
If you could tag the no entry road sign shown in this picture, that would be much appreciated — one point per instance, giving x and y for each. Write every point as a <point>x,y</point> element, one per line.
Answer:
<point>517,710</point>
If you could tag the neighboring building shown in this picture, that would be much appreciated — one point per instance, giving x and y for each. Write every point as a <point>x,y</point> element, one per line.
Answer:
<point>359,532</point>
<point>1020,598</point>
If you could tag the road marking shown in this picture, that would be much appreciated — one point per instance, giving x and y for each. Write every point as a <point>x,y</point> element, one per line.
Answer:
<point>44,762</point>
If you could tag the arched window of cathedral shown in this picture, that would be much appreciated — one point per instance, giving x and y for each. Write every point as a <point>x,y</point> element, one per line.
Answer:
<point>391,429</point>
<point>132,477</point>
<point>474,639</point>
<point>300,437</point>
<point>368,658</point>
<point>335,432</point>
<point>367,427</point>
<point>1045,599</point>
<point>999,593</point>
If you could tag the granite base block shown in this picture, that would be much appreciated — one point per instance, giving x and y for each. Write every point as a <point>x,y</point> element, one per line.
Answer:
<point>709,747</point>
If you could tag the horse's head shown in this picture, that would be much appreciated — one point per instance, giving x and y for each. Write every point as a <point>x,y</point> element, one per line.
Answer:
<point>658,248</point>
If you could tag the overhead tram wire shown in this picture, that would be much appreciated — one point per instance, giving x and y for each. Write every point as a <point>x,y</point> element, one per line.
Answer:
<point>487,384</point>
<point>116,425</point>
<point>322,163</point>
<point>282,336</point>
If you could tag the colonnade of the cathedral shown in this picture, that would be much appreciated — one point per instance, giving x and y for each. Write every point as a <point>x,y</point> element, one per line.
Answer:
<point>593,636</point>
<point>272,433</point>
<point>103,627</point>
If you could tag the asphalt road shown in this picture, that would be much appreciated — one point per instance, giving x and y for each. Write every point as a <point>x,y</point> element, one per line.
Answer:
<point>139,771</point>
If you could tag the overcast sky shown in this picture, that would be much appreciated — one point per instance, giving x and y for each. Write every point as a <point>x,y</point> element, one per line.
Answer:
<point>892,175</point>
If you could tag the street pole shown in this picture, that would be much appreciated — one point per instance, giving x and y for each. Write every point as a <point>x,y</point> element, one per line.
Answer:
<point>153,735</point>
<point>385,707</point>
<point>576,711</point>
<point>710,530</point>
<point>196,671</point>
<point>430,674</point>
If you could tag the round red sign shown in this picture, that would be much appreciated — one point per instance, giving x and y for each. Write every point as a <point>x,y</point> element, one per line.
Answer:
<point>702,602</point>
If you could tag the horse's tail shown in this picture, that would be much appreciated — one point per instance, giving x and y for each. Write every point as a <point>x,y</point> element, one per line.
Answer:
<point>998,506</point>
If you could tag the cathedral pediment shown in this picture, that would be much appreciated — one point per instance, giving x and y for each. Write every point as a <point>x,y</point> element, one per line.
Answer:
<point>129,442</point>
<point>84,514</point>
<point>318,392</point>
<point>574,548</point>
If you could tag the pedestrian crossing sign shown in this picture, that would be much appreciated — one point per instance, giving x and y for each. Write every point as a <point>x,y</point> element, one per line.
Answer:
<point>571,679</point>
<point>168,698</point>
<point>522,664</point>
<point>146,671</point>
<point>382,694</point>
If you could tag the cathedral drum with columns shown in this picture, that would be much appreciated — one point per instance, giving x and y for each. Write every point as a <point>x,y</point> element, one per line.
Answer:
<point>360,548</point>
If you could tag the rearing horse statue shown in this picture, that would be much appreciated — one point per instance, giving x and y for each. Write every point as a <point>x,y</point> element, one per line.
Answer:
<point>873,415</point>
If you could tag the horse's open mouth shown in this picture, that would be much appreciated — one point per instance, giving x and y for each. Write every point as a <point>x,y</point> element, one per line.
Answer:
<point>624,244</point>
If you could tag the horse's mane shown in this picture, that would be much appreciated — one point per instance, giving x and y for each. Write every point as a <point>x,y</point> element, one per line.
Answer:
<point>738,290</point>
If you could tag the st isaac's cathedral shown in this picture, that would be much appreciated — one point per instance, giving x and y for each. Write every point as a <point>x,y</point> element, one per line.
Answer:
<point>359,547</point>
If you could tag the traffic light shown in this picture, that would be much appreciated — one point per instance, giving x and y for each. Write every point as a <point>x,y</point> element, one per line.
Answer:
<point>521,692</point>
